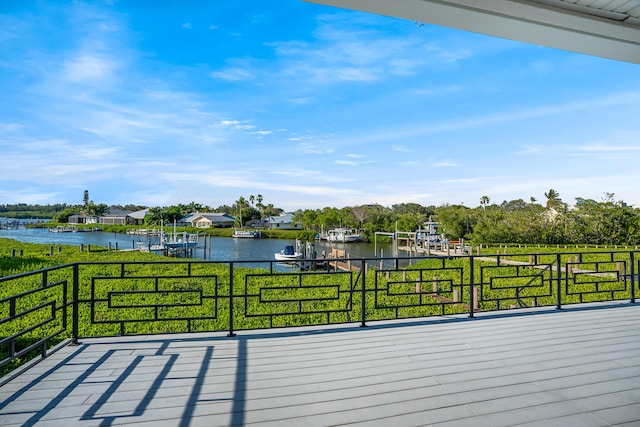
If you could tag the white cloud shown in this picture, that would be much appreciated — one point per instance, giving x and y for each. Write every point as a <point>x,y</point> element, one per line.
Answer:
<point>345,162</point>
<point>315,148</point>
<point>606,148</point>
<point>233,74</point>
<point>401,148</point>
<point>87,67</point>
<point>187,25</point>
<point>445,164</point>
<point>11,127</point>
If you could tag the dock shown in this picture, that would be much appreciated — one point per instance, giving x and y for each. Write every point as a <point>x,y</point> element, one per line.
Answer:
<point>340,261</point>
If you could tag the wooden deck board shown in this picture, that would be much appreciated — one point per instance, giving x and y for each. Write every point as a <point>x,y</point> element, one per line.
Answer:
<point>577,366</point>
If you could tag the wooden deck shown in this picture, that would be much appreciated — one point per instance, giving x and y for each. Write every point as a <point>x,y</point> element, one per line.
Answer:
<point>534,367</point>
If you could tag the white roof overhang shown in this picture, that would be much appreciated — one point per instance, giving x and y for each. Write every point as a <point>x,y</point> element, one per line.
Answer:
<point>604,28</point>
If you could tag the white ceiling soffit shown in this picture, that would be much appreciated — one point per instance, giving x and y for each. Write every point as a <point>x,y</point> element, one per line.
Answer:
<point>605,28</point>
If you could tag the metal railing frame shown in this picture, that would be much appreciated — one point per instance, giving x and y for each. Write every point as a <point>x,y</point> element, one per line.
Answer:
<point>556,273</point>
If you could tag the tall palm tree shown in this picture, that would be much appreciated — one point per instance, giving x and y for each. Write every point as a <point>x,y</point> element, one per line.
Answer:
<point>259,204</point>
<point>241,202</point>
<point>484,201</point>
<point>553,198</point>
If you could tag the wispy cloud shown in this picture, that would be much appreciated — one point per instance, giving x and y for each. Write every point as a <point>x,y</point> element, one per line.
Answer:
<point>104,98</point>
<point>233,74</point>
<point>607,148</point>
<point>445,164</point>
<point>401,148</point>
<point>315,148</point>
<point>86,67</point>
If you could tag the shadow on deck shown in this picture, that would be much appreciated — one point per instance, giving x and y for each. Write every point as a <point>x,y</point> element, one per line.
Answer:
<point>580,365</point>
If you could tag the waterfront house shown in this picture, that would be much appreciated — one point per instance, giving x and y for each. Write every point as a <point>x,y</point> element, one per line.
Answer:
<point>117,217</point>
<point>83,219</point>
<point>283,222</point>
<point>137,217</point>
<point>207,220</point>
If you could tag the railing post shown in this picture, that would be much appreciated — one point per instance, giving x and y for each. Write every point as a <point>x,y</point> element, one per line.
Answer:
<point>471,285</point>
<point>633,278</point>
<point>231,333</point>
<point>363,298</point>
<point>558,282</point>
<point>75,306</point>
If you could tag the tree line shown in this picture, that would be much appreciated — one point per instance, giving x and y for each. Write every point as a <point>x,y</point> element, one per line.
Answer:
<point>604,222</point>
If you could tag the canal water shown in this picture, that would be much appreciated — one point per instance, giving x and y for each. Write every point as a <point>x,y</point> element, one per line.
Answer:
<point>215,249</point>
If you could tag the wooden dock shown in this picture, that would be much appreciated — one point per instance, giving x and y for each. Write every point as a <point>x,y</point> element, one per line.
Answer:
<point>340,261</point>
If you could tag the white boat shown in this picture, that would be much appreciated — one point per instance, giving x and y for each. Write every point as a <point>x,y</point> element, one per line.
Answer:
<point>429,236</point>
<point>175,240</point>
<point>288,254</point>
<point>343,235</point>
<point>186,241</point>
<point>64,229</point>
<point>247,234</point>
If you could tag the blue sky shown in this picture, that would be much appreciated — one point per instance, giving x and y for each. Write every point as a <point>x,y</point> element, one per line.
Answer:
<point>159,103</point>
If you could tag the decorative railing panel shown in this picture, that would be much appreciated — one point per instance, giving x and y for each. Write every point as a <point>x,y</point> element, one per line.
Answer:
<point>514,285</point>
<point>299,298</point>
<point>143,298</point>
<point>41,308</point>
<point>414,292</point>
<point>36,317</point>
<point>589,280</point>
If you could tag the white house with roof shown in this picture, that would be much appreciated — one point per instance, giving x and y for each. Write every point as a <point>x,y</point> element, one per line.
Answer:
<point>208,219</point>
<point>138,216</point>
<point>283,221</point>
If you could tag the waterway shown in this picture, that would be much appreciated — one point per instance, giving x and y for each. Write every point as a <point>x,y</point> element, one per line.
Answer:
<point>215,248</point>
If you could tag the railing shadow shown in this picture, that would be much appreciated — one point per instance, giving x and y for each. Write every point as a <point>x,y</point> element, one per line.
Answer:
<point>104,409</point>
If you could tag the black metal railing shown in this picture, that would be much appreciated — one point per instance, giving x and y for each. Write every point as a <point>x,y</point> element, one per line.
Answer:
<point>125,298</point>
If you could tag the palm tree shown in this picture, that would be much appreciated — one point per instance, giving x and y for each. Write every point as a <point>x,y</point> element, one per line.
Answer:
<point>259,204</point>
<point>553,198</point>
<point>252,199</point>
<point>241,202</point>
<point>484,201</point>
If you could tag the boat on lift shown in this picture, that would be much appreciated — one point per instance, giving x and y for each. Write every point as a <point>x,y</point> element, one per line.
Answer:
<point>288,254</point>
<point>343,235</point>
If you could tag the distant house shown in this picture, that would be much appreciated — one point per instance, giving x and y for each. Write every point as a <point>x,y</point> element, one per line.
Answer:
<point>83,219</point>
<point>283,222</point>
<point>256,223</point>
<point>207,220</point>
<point>186,221</point>
<point>138,216</point>
<point>117,217</point>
